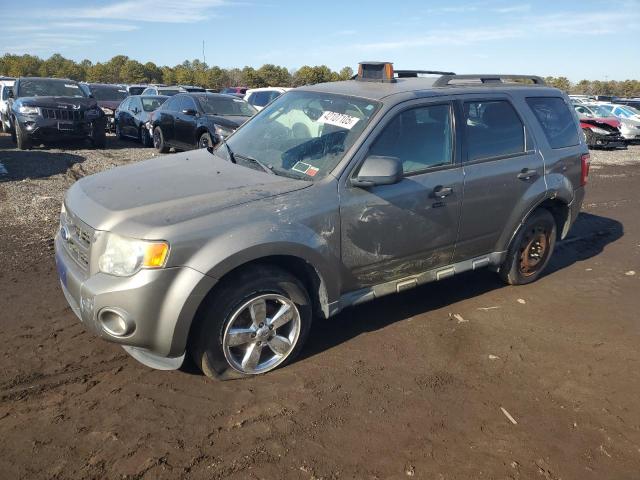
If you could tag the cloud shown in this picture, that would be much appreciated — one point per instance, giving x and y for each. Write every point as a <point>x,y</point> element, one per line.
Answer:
<point>525,7</point>
<point>160,11</point>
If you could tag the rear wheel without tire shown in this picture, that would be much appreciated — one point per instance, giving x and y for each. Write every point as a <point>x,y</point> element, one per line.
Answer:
<point>22,140</point>
<point>530,250</point>
<point>254,322</point>
<point>158,141</point>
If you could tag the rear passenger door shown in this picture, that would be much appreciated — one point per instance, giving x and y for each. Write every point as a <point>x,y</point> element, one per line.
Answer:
<point>394,231</point>
<point>503,171</point>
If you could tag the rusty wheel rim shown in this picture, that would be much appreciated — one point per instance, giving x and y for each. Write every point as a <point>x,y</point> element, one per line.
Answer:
<point>533,251</point>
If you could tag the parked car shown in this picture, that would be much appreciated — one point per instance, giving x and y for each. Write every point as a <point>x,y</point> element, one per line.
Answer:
<point>192,89</point>
<point>213,90</point>
<point>196,120</point>
<point>261,97</point>
<point>163,90</point>
<point>136,89</point>
<point>629,118</point>
<point>600,129</point>
<point>108,97</point>
<point>47,109</point>
<point>133,117</point>
<point>335,194</point>
<point>6,85</point>
<point>630,102</point>
<point>236,91</point>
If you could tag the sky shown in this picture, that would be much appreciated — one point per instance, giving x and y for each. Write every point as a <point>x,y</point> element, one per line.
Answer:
<point>590,39</point>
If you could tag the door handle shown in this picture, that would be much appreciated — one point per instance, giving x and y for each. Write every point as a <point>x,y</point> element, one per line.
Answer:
<point>527,174</point>
<point>441,192</point>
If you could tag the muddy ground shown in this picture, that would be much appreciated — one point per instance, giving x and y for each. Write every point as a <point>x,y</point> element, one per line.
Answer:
<point>407,386</point>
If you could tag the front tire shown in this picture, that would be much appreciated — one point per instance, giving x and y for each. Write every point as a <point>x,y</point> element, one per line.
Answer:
<point>254,322</point>
<point>98,135</point>
<point>22,140</point>
<point>205,141</point>
<point>530,250</point>
<point>158,141</point>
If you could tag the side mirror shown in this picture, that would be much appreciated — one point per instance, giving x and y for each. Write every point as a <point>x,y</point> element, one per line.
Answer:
<point>189,111</point>
<point>378,170</point>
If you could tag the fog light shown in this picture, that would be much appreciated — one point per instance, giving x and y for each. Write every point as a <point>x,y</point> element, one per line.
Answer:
<point>115,322</point>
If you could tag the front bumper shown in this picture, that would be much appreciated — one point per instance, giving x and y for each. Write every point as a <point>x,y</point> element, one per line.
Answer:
<point>51,129</point>
<point>160,303</point>
<point>613,140</point>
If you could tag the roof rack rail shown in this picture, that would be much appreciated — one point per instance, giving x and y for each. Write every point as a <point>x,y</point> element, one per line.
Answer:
<point>415,73</point>
<point>445,80</point>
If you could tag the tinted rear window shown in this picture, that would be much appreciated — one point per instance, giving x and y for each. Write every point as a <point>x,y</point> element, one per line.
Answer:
<point>556,121</point>
<point>494,129</point>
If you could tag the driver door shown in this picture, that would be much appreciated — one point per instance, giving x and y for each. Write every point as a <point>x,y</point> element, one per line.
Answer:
<point>393,231</point>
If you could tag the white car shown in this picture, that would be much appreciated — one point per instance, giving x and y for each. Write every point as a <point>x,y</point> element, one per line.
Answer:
<point>261,97</point>
<point>628,116</point>
<point>5,87</point>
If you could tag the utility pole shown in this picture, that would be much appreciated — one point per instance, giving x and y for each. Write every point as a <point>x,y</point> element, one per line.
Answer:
<point>204,59</point>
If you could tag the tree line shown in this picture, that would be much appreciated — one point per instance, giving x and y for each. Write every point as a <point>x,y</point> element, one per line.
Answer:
<point>122,69</point>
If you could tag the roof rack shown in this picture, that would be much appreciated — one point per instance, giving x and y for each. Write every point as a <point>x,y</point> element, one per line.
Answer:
<point>446,79</point>
<point>415,73</point>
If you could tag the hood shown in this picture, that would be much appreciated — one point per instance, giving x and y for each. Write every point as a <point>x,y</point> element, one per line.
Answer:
<point>611,121</point>
<point>231,121</point>
<point>112,104</point>
<point>136,199</point>
<point>59,102</point>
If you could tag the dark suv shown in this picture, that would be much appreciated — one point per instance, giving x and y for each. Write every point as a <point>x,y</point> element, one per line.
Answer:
<point>333,195</point>
<point>45,109</point>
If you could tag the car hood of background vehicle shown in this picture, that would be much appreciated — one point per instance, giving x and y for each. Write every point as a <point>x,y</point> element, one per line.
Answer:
<point>231,121</point>
<point>611,121</point>
<point>140,198</point>
<point>112,104</point>
<point>56,102</point>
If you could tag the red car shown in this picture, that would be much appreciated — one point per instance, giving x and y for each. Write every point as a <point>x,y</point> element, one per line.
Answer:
<point>237,91</point>
<point>600,129</point>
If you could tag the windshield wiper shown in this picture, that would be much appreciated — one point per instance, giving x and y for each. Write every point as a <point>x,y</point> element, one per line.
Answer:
<point>266,168</point>
<point>232,157</point>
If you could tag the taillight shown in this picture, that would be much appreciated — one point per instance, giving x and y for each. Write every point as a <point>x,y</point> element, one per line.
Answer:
<point>584,172</point>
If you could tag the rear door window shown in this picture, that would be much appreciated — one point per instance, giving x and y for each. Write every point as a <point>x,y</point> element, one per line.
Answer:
<point>556,121</point>
<point>420,137</point>
<point>493,129</point>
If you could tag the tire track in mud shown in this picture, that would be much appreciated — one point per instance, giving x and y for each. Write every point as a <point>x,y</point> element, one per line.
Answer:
<point>23,387</point>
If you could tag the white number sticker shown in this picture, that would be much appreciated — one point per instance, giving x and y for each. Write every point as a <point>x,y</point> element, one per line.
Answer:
<point>338,119</point>
<point>71,86</point>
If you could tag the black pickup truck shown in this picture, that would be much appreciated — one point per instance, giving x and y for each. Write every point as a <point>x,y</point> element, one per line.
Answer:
<point>46,109</point>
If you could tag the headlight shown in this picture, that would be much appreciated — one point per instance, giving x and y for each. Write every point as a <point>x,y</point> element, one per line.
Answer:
<point>28,110</point>
<point>107,111</point>
<point>224,131</point>
<point>123,257</point>
<point>600,131</point>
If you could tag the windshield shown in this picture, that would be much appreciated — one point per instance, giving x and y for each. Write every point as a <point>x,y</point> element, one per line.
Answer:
<point>219,105</point>
<point>632,110</point>
<point>108,93</point>
<point>600,111</point>
<point>149,104</point>
<point>136,90</point>
<point>41,87</point>
<point>302,134</point>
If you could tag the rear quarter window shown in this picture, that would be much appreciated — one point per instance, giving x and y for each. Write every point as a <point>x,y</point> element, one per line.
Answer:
<point>556,121</point>
<point>493,129</point>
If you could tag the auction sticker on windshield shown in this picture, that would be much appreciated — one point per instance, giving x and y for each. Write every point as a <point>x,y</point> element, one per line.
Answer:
<point>338,119</point>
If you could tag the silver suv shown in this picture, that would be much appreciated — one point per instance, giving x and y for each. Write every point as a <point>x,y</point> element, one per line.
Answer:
<point>333,195</point>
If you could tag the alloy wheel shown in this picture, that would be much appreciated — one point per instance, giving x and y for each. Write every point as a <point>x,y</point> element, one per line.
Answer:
<point>261,334</point>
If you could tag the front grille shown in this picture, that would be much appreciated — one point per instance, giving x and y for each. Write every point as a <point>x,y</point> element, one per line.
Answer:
<point>59,114</point>
<point>79,237</point>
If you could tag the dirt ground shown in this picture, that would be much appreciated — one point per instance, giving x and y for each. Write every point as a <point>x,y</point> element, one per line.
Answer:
<point>407,386</point>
